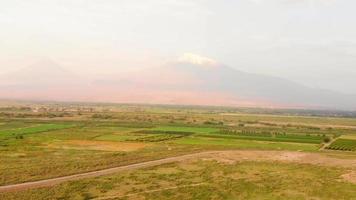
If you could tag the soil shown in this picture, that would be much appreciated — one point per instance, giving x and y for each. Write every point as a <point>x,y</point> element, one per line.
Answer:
<point>99,145</point>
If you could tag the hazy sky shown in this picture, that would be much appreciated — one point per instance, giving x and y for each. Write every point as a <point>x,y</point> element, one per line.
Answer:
<point>309,41</point>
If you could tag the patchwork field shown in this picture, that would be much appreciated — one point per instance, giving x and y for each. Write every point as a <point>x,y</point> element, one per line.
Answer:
<point>43,145</point>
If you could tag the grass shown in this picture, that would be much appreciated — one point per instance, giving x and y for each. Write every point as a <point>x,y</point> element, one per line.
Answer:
<point>244,144</point>
<point>120,137</point>
<point>217,133</point>
<point>206,180</point>
<point>279,138</point>
<point>351,137</point>
<point>31,158</point>
<point>36,128</point>
<point>36,163</point>
<point>301,120</point>
<point>13,125</point>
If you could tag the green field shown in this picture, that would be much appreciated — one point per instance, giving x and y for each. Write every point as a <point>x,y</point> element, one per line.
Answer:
<point>226,143</point>
<point>285,138</point>
<point>37,146</point>
<point>343,145</point>
<point>34,128</point>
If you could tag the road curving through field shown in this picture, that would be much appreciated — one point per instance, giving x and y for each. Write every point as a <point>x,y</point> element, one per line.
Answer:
<point>220,156</point>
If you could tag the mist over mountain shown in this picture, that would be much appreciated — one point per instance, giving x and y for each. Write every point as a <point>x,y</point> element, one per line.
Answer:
<point>192,79</point>
<point>42,74</point>
<point>43,80</point>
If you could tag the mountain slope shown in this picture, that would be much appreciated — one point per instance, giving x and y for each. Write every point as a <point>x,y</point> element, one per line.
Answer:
<point>190,80</point>
<point>44,80</point>
<point>204,78</point>
<point>41,74</point>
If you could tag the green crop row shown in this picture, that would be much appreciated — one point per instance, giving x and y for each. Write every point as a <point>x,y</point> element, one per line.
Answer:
<point>287,138</point>
<point>343,145</point>
<point>184,133</point>
<point>157,138</point>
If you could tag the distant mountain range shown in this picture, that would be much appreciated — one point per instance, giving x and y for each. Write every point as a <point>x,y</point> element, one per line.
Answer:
<point>190,80</point>
<point>43,74</point>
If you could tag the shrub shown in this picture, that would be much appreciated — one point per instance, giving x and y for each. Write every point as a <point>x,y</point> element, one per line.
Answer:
<point>326,139</point>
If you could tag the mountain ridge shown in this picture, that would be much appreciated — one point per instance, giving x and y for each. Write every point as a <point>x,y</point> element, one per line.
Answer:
<point>192,80</point>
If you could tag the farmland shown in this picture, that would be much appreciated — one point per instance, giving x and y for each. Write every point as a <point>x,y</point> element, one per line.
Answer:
<point>66,139</point>
<point>343,145</point>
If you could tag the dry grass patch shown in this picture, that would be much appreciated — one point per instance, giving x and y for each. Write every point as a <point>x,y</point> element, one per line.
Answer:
<point>350,137</point>
<point>98,145</point>
<point>350,177</point>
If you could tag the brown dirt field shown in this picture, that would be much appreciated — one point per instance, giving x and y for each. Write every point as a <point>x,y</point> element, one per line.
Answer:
<point>229,157</point>
<point>98,145</point>
<point>351,177</point>
<point>284,156</point>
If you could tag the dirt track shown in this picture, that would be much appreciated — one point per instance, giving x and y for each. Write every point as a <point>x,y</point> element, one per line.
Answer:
<point>221,156</point>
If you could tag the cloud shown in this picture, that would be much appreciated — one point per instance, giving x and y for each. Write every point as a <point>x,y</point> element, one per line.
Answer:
<point>306,2</point>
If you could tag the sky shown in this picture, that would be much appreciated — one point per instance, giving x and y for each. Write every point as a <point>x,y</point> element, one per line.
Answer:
<point>312,42</point>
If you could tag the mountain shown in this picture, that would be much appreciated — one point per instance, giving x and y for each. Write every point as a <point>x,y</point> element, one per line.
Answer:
<point>44,80</point>
<point>192,79</point>
<point>195,79</point>
<point>41,74</point>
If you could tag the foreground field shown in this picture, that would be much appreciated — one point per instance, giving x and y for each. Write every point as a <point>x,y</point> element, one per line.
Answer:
<point>65,141</point>
<point>216,175</point>
<point>75,147</point>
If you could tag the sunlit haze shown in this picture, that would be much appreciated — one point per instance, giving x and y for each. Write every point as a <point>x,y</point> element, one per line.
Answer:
<point>309,42</point>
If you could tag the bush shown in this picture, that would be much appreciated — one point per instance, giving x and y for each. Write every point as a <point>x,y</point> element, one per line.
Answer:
<point>19,137</point>
<point>326,139</point>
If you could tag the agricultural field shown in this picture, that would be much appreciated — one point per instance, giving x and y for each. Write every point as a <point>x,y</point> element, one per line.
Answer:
<point>40,141</point>
<point>343,145</point>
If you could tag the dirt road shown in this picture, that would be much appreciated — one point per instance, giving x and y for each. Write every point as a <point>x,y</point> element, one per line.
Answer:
<point>221,156</point>
<point>327,144</point>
